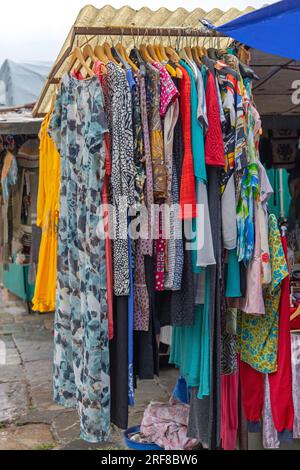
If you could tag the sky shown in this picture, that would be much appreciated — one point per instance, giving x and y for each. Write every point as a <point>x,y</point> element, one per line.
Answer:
<point>34,30</point>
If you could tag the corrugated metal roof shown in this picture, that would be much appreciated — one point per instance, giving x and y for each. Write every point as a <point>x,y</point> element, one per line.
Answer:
<point>90,16</point>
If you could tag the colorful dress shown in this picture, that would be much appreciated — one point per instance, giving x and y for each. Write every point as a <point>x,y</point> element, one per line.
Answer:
<point>249,186</point>
<point>47,220</point>
<point>81,354</point>
<point>258,335</point>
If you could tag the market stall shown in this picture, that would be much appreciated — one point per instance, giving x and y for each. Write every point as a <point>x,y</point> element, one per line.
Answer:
<point>155,120</point>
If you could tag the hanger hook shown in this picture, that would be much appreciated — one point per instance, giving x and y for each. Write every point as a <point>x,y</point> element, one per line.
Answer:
<point>145,34</point>
<point>133,37</point>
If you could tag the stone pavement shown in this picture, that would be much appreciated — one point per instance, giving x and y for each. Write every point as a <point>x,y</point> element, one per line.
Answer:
<point>28,417</point>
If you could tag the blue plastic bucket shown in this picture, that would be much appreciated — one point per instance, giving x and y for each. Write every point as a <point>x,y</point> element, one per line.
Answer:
<point>138,445</point>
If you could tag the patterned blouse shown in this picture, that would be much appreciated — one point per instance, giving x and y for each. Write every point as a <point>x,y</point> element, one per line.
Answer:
<point>156,134</point>
<point>258,335</point>
<point>123,175</point>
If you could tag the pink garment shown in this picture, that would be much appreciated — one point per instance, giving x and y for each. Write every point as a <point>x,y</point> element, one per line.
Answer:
<point>168,91</point>
<point>253,303</point>
<point>229,410</point>
<point>166,425</point>
<point>281,381</point>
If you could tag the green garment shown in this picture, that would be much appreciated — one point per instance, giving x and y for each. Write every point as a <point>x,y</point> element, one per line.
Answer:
<point>233,279</point>
<point>190,346</point>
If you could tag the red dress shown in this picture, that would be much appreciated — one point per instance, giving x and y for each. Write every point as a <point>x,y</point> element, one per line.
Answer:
<point>187,184</point>
<point>105,201</point>
<point>214,145</point>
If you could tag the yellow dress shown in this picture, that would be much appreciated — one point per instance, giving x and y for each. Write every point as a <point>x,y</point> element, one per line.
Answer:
<point>47,220</point>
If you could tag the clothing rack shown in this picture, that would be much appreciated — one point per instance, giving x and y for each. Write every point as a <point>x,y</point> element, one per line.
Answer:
<point>121,31</point>
<point>134,31</point>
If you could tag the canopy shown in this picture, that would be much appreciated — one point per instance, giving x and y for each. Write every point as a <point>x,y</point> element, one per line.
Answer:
<point>21,83</point>
<point>274,29</point>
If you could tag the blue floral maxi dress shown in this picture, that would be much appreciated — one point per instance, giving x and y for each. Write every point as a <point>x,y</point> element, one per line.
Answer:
<point>81,354</point>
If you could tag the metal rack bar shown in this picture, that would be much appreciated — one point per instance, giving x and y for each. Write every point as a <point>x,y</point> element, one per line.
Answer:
<point>133,31</point>
<point>122,31</point>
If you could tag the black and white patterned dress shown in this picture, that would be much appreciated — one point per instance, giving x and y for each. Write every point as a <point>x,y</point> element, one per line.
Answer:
<point>119,108</point>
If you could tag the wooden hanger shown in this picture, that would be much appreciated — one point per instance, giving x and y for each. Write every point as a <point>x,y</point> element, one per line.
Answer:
<point>295,314</point>
<point>203,51</point>
<point>162,51</point>
<point>174,57</point>
<point>122,51</point>
<point>78,56</point>
<point>88,53</point>
<point>195,53</point>
<point>157,52</point>
<point>108,53</point>
<point>145,53</point>
<point>188,52</point>
<point>152,53</point>
<point>161,54</point>
<point>101,55</point>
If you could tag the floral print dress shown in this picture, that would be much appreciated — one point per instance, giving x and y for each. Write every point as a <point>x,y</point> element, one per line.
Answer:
<point>81,354</point>
<point>258,334</point>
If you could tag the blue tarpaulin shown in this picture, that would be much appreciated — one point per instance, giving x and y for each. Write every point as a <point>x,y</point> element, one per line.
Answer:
<point>21,83</point>
<point>274,29</point>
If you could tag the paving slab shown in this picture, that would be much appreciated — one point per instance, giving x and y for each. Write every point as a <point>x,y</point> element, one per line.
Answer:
<point>29,437</point>
<point>5,318</point>
<point>13,401</point>
<point>39,417</point>
<point>11,373</point>
<point>39,378</point>
<point>66,426</point>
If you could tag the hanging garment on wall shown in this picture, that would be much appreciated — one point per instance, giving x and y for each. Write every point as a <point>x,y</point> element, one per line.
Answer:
<point>81,356</point>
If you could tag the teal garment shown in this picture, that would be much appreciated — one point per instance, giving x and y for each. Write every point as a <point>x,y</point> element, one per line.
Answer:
<point>197,133</point>
<point>274,201</point>
<point>190,347</point>
<point>204,70</point>
<point>233,280</point>
<point>197,152</point>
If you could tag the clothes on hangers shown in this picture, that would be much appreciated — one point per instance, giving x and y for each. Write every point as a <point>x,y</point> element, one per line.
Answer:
<point>136,138</point>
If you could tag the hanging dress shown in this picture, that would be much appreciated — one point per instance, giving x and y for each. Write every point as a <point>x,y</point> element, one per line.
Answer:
<point>81,355</point>
<point>47,220</point>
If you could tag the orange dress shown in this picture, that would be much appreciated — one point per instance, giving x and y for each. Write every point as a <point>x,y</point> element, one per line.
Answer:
<point>47,220</point>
